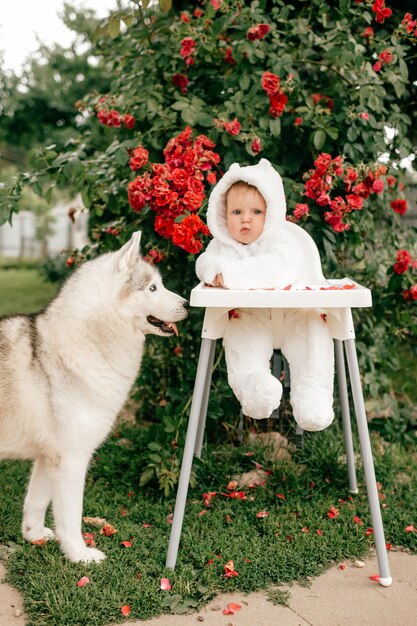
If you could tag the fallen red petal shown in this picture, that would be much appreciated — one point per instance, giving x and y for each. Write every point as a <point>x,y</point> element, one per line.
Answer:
<point>126,544</point>
<point>125,610</point>
<point>375,577</point>
<point>262,514</point>
<point>231,608</point>
<point>408,529</point>
<point>83,581</point>
<point>165,584</point>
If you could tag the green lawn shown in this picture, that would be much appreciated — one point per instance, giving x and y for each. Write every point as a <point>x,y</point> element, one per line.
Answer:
<point>281,546</point>
<point>23,291</point>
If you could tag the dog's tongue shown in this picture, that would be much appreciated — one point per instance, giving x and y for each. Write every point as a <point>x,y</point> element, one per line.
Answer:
<point>173,327</point>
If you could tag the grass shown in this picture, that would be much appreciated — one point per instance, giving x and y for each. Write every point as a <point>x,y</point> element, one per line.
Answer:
<point>23,291</point>
<point>266,551</point>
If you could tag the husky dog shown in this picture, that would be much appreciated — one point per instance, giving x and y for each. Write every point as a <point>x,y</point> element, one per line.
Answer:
<point>66,372</point>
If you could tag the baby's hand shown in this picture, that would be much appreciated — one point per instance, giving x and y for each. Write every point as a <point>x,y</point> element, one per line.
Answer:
<point>218,281</point>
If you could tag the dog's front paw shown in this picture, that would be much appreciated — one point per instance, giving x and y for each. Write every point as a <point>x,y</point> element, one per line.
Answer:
<point>36,534</point>
<point>86,555</point>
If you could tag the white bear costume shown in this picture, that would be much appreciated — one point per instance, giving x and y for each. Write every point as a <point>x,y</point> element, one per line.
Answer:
<point>274,260</point>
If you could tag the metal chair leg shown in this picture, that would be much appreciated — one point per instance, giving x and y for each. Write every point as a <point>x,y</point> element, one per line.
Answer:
<point>204,402</point>
<point>368,464</point>
<point>190,444</point>
<point>346,421</point>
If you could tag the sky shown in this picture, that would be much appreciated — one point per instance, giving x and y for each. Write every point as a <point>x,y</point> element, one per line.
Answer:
<point>22,20</point>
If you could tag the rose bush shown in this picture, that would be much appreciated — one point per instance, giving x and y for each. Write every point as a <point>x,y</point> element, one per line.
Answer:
<point>311,86</point>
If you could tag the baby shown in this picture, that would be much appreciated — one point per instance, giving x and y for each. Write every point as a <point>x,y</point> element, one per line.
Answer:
<point>254,247</point>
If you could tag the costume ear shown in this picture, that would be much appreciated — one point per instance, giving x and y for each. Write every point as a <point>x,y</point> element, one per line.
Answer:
<point>235,167</point>
<point>129,253</point>
<point>265,164</point>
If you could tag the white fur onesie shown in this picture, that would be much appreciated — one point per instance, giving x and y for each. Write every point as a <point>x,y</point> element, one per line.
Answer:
<point>275,260</point>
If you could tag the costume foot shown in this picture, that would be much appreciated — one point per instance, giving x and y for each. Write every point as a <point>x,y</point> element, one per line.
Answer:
<point>312,412</point>
<point>262,397</point>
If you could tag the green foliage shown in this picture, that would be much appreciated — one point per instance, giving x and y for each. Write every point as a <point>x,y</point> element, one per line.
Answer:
<point>338,104</point>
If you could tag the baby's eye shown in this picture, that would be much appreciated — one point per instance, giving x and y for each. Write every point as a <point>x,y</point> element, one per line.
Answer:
<point>237,212</point>
<point>258,211</point>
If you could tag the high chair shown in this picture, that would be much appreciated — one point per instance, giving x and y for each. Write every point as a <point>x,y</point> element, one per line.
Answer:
<point>337,298</point>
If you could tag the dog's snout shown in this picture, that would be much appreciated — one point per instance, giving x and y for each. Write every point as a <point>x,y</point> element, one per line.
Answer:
<point>186,305</point>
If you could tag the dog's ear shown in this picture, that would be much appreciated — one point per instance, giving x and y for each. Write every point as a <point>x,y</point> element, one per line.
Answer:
<point>129,253</point>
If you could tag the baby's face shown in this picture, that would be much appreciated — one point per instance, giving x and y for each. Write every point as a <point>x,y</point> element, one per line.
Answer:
<point>246,210</point>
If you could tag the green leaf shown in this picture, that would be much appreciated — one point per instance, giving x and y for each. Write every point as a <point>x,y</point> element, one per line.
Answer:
<point>85,196</point>
<point>189,116</point>
<point>129,19</point>
<point>121,155</point>
<point>48,195</point>
<point>165,5</point>
<point>205,119</point>
<point>113,27</point>
<point>319,138</point>
<point>403,69</point>
<point>332,132</point>
<point>180,105</point>
<point>146,476</point>
<point>275,127</point>
<point>352,133</point>
<point>244,82</point>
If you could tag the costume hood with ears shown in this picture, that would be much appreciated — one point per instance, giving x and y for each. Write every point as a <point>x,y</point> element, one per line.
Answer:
<point>268,182</point>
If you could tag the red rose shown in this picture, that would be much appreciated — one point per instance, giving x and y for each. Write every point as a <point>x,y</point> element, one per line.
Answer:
<point>336,222</point>
<point>338,204</point>
<point>256,145</point>
<point>298,121</point>
<point>179,177</point>
<point>228,58</point>
<point>378,186</point>
<point>185,234</point>
<point>185,17</point>
<point>300,210</point>
<point>403,261</point>
<point>139,158</point>
<point>322,163</point>
<point>180,81</point>
<point>257,32</point>
<point>399,206</point>
<point>114,118</point>
<point>164,226</point>
<point>193,201</point>
<point>368,32</point>
<point>391,181</point>
<point>139,192</point>
<point>233,127</point>
<point>277,104</point>
<point>188,45</point>
<point>382,12</point>
<point>354,201</point>
<point>361,190</point>
<point>386,56</point>
<point>270,83</point>
<point>211,178</point>
<point>129,121</point>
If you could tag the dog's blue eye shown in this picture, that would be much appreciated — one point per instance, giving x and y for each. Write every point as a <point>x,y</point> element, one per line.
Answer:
<point>152,287</point>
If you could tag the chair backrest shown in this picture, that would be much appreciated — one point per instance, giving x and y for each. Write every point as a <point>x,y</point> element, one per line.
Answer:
<point>314,272</point>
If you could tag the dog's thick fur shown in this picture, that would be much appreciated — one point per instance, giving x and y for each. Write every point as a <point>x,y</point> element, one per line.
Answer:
<point>66,372</point>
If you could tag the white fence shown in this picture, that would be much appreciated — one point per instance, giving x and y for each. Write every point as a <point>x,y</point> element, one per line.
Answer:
<point>19,240</point>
